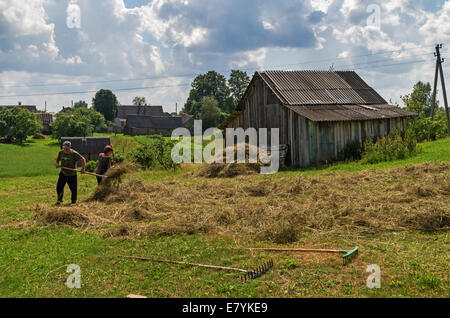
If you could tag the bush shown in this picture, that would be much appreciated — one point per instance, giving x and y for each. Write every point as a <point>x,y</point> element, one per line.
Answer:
<point>398,145</point>
<point>16,124</point>
<point>153,151</point>
<point>352,151</point>
<point>423,128</point>
<point>91,166</point>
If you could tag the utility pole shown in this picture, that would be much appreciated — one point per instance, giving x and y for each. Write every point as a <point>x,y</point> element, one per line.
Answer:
<point>439,62</point>
<point>176,108</point>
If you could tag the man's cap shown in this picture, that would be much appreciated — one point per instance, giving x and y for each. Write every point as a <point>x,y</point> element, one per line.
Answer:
<point>67,144</point>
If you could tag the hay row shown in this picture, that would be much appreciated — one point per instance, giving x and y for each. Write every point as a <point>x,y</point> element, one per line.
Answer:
<point>414,198</point>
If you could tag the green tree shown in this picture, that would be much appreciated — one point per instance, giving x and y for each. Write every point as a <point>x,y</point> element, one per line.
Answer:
<point>209,84</point>
<point>139,101</point>
<point>419,100</point>
<point>238,83</point>
<point>210,112</point>
<point>80,104</point>
<point>105,102</point>
<point>81,124</point>
<point>96,119</point>
<point>423,128</point>
<point>16,124</point>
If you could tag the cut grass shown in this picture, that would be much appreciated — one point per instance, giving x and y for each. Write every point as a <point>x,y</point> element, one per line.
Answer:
<point>35,257</point>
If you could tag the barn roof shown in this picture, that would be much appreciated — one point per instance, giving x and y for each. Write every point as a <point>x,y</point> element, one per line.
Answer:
<point>322,113</point>
<point>156,122</point>
<point>320,88</point>
<point>88,145</point>
<point>123,111</point>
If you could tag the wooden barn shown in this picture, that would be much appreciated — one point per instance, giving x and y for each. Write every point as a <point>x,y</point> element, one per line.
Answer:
<point>88,147</point>
<point>317,112</point>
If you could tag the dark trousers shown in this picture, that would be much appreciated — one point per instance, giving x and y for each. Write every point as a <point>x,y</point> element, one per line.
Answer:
<point>99,180</point>
<point>71,181</point>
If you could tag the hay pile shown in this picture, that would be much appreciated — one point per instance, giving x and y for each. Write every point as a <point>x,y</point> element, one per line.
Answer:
<point>233,169</point>
<point>110,184</point>
<point>271,208</point>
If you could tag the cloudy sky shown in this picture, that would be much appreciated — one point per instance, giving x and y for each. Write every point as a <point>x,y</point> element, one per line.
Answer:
<point>63,50</point>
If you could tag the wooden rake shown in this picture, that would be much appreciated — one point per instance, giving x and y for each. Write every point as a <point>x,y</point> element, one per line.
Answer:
<point>347,257</point>
<point>247,274</point>
<point>86,172</point>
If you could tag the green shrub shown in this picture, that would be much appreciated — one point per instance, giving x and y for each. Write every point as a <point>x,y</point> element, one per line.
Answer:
<point>91,166</point>
<point>424,128</point>
<point>352,151</point>
<point>153,151</point>
<point>143,156</point>
<point>397,145</point>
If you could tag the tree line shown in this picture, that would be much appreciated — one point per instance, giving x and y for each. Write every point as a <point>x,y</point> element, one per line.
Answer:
<point>212,98</point>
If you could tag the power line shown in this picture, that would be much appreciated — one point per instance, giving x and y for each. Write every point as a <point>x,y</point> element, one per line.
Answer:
<point>94,91</point>
<point>194,74</point>
<point>178,85</point>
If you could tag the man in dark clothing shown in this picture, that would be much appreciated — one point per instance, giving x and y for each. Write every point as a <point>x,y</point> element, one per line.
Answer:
<point>68,158</point>
<point>104,162</point>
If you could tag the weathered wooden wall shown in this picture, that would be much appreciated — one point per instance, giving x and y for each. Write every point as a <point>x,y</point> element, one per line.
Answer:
<point>317,142</point>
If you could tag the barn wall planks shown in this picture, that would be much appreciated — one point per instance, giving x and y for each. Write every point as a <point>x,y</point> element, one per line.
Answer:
<point>317,142</point>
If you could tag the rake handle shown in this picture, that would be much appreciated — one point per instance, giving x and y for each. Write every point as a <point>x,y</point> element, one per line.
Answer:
<point>293,250</point>
<point>184,263</point>
<point>86,172</point>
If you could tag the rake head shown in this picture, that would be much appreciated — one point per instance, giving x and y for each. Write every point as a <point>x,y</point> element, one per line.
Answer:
<point>349,255</point>
<point>257,272</point>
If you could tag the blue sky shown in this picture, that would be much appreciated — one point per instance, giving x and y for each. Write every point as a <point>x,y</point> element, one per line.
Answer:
<point>155,48</point>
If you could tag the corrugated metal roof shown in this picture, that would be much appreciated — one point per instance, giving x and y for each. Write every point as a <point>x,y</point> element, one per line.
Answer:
<point>319,113</point>
<point>123,111</point>
<point>156,122</point>
<point>320,87</point>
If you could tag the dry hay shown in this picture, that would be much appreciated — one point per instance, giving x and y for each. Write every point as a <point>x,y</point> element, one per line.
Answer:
<point>111,183</point>
<point>233,169</point>
<point>271,208</point>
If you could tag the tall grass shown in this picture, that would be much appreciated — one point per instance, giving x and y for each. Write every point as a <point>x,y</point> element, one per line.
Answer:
<point>394,146</point>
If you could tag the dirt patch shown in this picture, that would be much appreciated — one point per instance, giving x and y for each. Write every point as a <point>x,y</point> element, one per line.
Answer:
<point>270,208</point>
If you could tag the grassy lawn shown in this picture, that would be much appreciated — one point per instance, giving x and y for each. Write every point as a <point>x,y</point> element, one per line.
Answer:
<point>35,256</point>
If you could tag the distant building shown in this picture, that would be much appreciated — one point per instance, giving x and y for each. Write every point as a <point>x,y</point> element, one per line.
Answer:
<point>156,125</point>
<point>31,108</point>
<point>123,111</point>
<point>46,119</point>
<point>88,147</point>
<point>149,120</point>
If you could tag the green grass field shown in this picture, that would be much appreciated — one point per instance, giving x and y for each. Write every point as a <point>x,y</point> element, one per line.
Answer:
<point>35,256</point>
